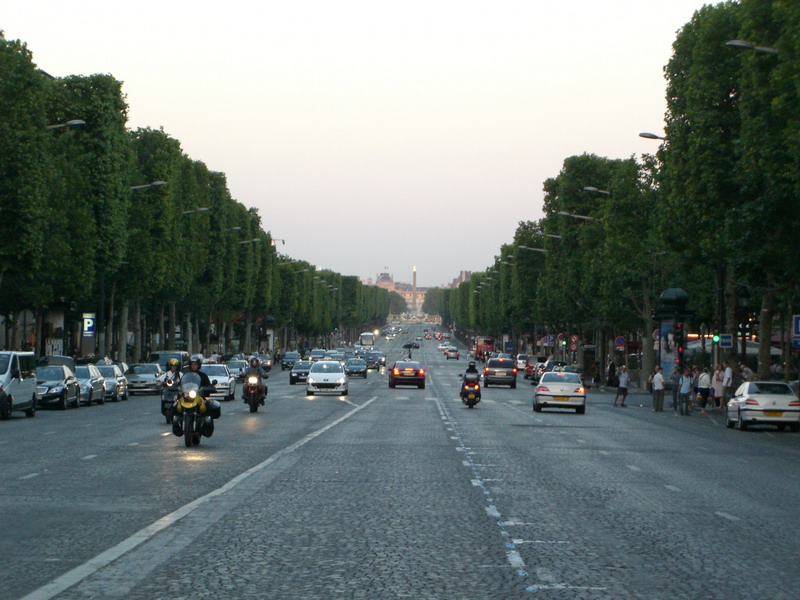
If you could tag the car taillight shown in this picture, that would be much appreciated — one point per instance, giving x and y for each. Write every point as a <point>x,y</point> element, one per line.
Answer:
<point>422,371</point>
<point>396,372</point>
<point>794,403</point>
<point>486,370</point>
<point>514,370</point>
<point>751,402</point>
<point>542,388</point>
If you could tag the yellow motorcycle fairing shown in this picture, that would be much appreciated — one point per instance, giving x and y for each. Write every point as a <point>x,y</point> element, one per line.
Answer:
<point>188,403</point>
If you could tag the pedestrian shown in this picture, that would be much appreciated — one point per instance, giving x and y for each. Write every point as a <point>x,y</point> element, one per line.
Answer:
<point>622,385</point>
<point>747,372</point>
<point>658,390</point>
<point>704,389</point>
<point>727,383</point>
<point>612,373</point>
<point>674,379</point>
<point>685,391</point>
<point>717,389</point>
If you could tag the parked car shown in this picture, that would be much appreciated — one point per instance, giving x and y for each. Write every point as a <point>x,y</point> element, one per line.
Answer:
<point>92,384</point>
<point>116,382</point>
<point>407,372</point>
<point>327,377</point>
<point>500,371</point>
<point>560,390</point>
<point>452,353</point>
<point>356,367</point>
<point>57,384</point>
<point>289,359</point>
<point>145,377</point>
<point>17,383</point>
<point>300,371</point>
<point>225,388</point>
<point>764,403</point>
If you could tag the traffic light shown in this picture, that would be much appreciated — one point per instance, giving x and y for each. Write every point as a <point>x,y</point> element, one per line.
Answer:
<point>715,336</point>
<point>680,338</point>
<point>563,342</point>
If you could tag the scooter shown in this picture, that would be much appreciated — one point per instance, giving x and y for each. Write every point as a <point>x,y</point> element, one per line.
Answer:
<point>168,395</point>
<point>194,415</point>
<point>252,395</point>
<point>470,389</point>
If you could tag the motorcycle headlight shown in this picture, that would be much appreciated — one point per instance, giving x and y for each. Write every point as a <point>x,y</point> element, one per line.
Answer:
<point>252,380</point>
<point>192,394</point>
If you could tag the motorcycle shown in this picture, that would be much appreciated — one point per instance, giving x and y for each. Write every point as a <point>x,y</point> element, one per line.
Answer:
<point>470,389</point>
<point>253,396</point>
<point>194,415</point>
<point>168,395</point>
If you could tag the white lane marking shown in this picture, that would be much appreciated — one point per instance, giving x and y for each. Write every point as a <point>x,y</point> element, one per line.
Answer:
<point>81,572</point>
<point>165,434</point>
<point>30,476</point>
<point>513,522</point>
<point>133,444</point>
<point>476,482</point>
<point>673,488</point>
<point>520,541</point>
<point>516,402</point>
<point>581,441</point>
<point>89,457</point>
<point>633,467</point>
<point>515,559</point>
<point>725,515</point>
<point>492,512</point>
<point>604,452</point>
<point>493,480</point>
<point>466,463</point>
<point>49,433</point>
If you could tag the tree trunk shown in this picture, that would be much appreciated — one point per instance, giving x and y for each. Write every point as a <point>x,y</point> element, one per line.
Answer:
<point>109,341</point>
<point>137,332</point>
<point>173,324</point>
<point>197,345</point>
<point>122,353</point>
<point>248,328</point>
<point>730,318</point>
<point>187,333</point>
<point>765,334</point>
<point>161,331</point>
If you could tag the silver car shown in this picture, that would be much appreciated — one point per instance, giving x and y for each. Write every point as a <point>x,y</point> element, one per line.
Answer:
<point>226,382</point>
<point>327,377</point>
<point>93,384</point>
<point>558,389</point>
<point>145,378</point>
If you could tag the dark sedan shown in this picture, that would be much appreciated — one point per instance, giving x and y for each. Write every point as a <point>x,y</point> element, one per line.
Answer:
<point>356,367</point>
<point>373,360</point>
<point>407,372</point>
<point>57,384</point>
<point>300,371</point>
<point>288,360</point>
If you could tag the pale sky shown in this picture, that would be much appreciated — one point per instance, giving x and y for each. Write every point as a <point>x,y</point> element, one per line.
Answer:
<point>372,134</point>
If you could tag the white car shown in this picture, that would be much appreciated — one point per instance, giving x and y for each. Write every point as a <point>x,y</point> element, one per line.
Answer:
<point>327,377</point>
<point>226,382</point>
<point>443,346</point>
<point>764,403</point>
<point>560,390</point>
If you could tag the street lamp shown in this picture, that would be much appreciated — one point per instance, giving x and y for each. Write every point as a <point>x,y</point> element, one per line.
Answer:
<point>71,123</point>
<point>275,240</point>
<point>196,210</point>
<point>532,249</point>
<point>253,241</point>
<point>745,45</point>
<point>231,229</point>
<point>148,185</point>
<point>584,217</point>
<point>595,190</point>
<point>551,235</point>
<point>651,136</point>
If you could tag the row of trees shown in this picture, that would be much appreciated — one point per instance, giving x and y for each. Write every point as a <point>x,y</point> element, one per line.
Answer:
<point>99,218</point>
<point>714,211</point>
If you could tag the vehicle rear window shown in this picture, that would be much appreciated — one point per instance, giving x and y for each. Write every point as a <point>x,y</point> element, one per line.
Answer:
<point>560,377</point>
<point>771,388</point>
<point>499,362</point>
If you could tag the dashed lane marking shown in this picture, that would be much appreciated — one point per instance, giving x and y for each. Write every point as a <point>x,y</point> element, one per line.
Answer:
<point>725,515</point>
<point>89,457</point>
<point>633,467</point>
<point>30,476</point>
<point>673,488</point>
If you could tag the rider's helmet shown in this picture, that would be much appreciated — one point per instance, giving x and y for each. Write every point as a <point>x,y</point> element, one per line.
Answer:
<point>254,362</point>
<point>195,360</point>
<point>173,362</point>
<point>471,363</point>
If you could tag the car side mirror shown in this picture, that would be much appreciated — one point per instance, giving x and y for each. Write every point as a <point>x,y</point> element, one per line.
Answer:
<point>214,382</point>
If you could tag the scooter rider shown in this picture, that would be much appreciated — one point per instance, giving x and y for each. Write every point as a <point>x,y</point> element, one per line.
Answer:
<point>172,377</point>
<point>471,367</point>
<point>256,370</point>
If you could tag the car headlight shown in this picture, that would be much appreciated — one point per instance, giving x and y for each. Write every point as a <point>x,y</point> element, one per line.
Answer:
<point>311,379</point>
<point>56,389</point>
<point>341,380</point>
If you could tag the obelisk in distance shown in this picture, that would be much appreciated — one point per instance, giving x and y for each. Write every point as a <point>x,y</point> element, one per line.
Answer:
<point>414,291</point>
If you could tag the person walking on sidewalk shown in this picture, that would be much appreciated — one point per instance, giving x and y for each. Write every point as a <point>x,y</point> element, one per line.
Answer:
<point>717,387</point>
<point>622,387</point>
<point>684,391</point>
<point>727,383</point>
<point>704,389</point>
<point>658,390</point>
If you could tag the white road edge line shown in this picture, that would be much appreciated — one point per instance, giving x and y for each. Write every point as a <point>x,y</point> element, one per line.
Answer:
<point>81,572</point>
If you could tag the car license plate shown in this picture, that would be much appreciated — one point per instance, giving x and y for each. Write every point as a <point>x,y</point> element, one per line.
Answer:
<point>472,396</point>
<point>562,398</point>
<point>408,374</point>
<point>499,372</point>
<point>774,413</point>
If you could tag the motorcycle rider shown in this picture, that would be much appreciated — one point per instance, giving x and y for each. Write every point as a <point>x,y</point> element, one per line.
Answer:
<point>172,376</point>
<point>205,386</point>
<point>255,369</point>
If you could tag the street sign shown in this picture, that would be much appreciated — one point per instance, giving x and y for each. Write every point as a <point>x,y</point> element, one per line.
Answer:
<point>619,341</point>
<point>795,343</point>
<point>726,340</point>
<point>560,337</point>
<point>88,324</point>
<point>795,325</point>
<point>574,338</point>
<point>573,346</point>
<point>655,334</point>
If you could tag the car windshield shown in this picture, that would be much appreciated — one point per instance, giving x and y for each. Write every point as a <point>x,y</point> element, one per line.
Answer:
<point>327,367</point>
<point>560,377</point>
<point>82,372</point>
<point>107,371</point>
<point>371,356</point>
<point>215,370</point>
<point>291,356</point>
<point>49,373</point>
<point>355,362</point>
<point>236,364</point>
<point>302,365</point>
<point>780,389</point>
<point>4,360</point>
<point>143,369</point>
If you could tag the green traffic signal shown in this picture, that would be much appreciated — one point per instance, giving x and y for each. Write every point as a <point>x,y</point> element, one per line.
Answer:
<point>715,338</point>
